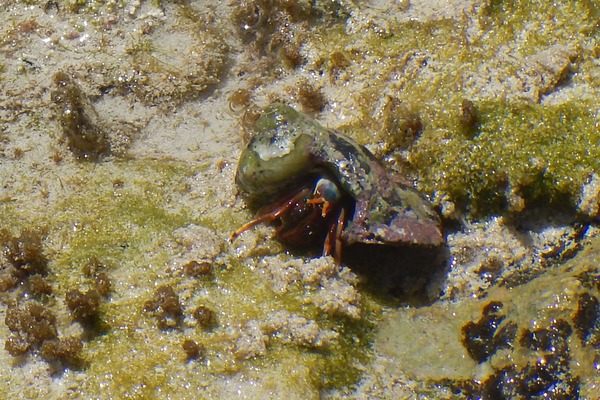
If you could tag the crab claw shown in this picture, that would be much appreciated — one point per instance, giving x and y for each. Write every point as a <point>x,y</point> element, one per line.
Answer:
<point>326,192</point>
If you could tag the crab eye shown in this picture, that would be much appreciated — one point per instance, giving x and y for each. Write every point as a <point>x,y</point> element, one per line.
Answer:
<point>327,190</point>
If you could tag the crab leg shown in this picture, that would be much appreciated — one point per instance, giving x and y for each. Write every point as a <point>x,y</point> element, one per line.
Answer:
<point>268,216</point>
<point>341,224</point>
<point>333,240</point>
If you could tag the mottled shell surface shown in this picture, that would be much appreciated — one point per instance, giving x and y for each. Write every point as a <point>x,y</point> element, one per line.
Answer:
<point>287,147</point>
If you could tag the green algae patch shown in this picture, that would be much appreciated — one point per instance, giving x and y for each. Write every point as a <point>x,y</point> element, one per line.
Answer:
<point>133,221</point>
<point>515,16</point>
<point>101,199</point>
<point>136,365</point>
<point>255,343</point>
<point>520,155</point>
<point>113,210</point>
<point>475,112</point>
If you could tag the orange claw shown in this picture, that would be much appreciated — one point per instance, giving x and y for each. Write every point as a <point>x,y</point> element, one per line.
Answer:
<point>320,200</point>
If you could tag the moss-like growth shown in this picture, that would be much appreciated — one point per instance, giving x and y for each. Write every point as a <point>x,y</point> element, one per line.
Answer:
<point>67,351</point>
<point>39,286</point>
<point>205,317</point>
<point>530,151</point>
<point>291,55</point>
<point>311,98</point>
<point>24,253</point>
<point>101,281</point>
<point>467,117</point>
<point>165,307</point>
<point>84,307</point>
<point>197,269</point>
<point>79,120</point>
<point>103,284</point>
<point>399,126</point>
<point>28,265</point>
<point>193,350</point>
<point>31,325</point>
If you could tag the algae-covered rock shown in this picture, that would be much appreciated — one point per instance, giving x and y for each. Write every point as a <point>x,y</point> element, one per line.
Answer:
<point>535,339</point>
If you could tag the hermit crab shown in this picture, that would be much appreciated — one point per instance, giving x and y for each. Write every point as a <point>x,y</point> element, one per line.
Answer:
<point>319,185</point>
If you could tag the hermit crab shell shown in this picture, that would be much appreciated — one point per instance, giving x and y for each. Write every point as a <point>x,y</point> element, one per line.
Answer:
<point>288,147</point>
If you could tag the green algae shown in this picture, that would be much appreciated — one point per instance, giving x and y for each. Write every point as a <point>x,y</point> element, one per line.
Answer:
<point>123,214</point>
<point>156,363</point>
<point>543,153</point>
<point>530,26</point>
<point>102,216</point>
